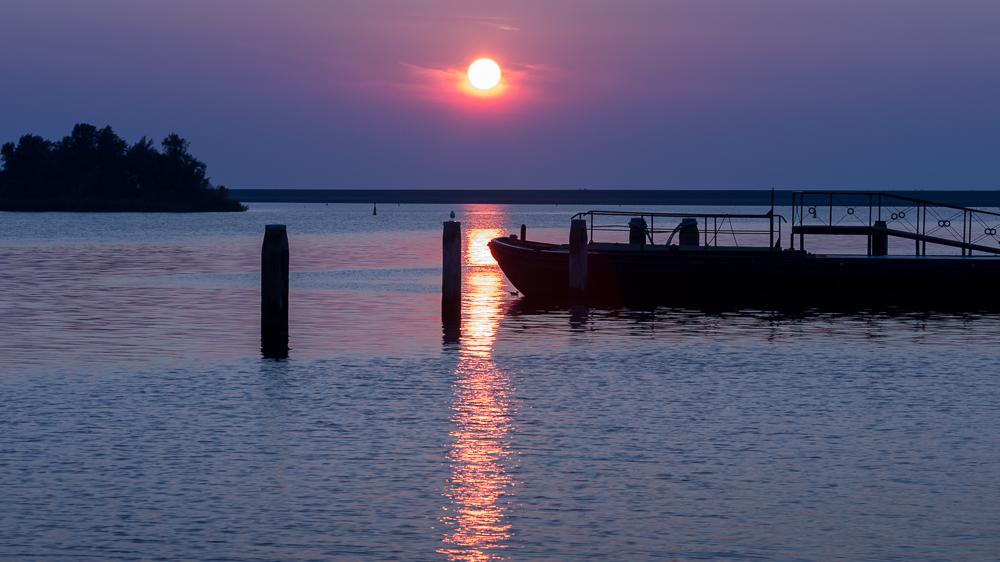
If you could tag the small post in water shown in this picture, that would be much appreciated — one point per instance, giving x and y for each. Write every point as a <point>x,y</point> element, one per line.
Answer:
<point>274,292</point>
<point>577,260</point>
<point>451,265</point>
<point>524,232</point>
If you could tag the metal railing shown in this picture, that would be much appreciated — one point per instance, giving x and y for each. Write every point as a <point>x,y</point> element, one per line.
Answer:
<point>872,213</point>
<point>712,226</point>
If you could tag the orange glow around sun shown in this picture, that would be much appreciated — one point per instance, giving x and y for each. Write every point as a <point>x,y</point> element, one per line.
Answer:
<point>482,85</point>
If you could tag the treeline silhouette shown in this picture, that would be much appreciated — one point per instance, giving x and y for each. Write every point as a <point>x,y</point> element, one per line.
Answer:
<point>96,170</point>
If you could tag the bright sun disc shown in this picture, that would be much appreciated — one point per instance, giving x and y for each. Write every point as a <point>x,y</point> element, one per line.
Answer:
<point>484,74</point>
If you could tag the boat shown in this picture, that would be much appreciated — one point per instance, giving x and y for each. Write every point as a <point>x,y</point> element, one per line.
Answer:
<point>692,267</point>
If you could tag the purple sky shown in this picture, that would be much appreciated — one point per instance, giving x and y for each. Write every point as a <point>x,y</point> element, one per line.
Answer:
<point>700,94</point>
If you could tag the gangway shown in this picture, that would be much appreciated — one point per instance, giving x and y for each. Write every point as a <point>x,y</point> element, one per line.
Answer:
<point>879,215</point>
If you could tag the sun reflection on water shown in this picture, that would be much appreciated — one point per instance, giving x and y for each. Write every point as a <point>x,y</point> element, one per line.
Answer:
<point>476,250</point>
<point>483,411</point>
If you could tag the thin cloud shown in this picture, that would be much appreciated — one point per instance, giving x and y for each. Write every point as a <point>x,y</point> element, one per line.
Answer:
<point>523,87</point>
<point>498,23</point>
<point>502,26</point>
<point>444,83</point>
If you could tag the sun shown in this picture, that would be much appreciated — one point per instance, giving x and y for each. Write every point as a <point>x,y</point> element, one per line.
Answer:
<point>484,74</point>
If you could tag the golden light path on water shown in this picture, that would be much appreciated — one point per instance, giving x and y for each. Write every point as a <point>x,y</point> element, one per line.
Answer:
<point>483,412</point>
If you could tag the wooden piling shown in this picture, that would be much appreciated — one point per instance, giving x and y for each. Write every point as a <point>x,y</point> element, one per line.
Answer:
<point>274,291</point>
<point>451,263</point>
<point>577,260</point>
<point>451,323</point>
<point>524,232</point>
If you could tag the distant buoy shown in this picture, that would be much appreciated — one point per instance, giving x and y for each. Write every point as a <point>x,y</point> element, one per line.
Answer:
<point>374,208</point>
<point>453,214</point>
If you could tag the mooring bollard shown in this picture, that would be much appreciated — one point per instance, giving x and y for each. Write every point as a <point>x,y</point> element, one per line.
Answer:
<point>524,232</point>
<point>577,260</point>
<point>451,263</point>
<point>880,241</point>
<point>637,231</point>
<point>274,292</point>
<point>689,233</point>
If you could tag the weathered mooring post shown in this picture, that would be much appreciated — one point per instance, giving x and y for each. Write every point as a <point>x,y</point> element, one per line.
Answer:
<point>451,281</point>
<point>274,292</point>
<point>524,232</point>
<point>577,260</point>
<point>578,316</point>
<point>880,241</point>
<point>451,262</point>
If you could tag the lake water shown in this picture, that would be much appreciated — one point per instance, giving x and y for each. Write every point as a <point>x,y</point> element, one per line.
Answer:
<point>138,420</point>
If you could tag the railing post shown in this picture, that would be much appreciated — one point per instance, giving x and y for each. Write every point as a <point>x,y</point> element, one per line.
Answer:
<point>791,231</point>
<point>966,226</point>
<point>963,233</point>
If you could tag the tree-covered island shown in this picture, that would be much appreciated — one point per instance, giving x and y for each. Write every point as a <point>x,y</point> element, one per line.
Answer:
<point>95,170</point>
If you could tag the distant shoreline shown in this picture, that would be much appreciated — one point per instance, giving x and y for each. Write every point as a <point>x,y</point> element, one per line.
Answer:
<point>97,205</point>
<point>604,197</point>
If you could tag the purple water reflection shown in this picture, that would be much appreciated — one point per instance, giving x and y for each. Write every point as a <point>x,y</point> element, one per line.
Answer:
<point>139,421</point>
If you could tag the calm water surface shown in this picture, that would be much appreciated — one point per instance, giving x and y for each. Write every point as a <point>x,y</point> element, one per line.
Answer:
<point>139,422</point>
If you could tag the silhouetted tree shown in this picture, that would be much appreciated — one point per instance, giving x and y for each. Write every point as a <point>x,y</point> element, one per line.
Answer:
<point>182,169</point>
<point>143,165</point>
<point>92,163</point>
<point>27,168</point>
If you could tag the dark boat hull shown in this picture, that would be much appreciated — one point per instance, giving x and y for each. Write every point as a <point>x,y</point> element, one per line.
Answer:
<point>624,274</point>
